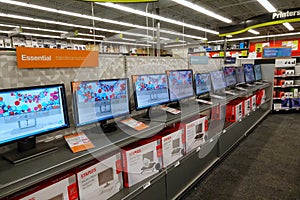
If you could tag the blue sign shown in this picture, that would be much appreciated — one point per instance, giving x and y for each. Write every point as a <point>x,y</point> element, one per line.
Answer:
<point>230,61</point>
<point>199,60</point>
<point>277,52</point>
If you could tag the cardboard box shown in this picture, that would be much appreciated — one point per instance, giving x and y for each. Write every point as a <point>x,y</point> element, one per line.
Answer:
<point>296,102</point>
<point>253,102</point>
<point>7,43</point>
<point>260,97</point>
<point>195,133</point>
<point>247,105</point>
<point>172,145</point>
<point>234,111</point>
<point>102,179</point>
<point>63,187</point>
<point>1,42</point>
<point>141,160</point>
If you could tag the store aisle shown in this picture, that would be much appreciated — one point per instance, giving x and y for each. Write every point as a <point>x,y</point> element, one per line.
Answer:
<point>266,165</point>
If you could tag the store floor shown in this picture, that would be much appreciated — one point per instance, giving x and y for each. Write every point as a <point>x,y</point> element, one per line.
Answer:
<point>266,165</point>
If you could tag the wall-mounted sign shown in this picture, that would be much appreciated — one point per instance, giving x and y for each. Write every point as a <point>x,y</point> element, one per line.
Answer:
<point>55,58</point>
<point>269,19</point>
<point>199,60</point>
<point>277,52</point>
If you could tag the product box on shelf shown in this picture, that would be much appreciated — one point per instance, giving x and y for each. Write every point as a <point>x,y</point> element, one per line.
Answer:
<point>260,97</point>
<point>141,160</point>
<point>172,144</point>
<point>100,179</point>
<point>234,111</point>
<point>15,41</point>
<point>7,42</point>
<point>253,102</point>
<point>295,92</point>
<point>195,133</point>
<point>286,62</point>
<point>218,112</point>
<point>61,187</point>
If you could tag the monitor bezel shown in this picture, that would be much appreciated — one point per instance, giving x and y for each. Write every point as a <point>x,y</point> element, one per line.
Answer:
<point>236,82</point>
<point>195,84</point>
<point>75,109</point>
<point>64,109</point>
<point>222,89</point>
<point>135,95</point>
<point>178,99</point>
<point>255,72</point>
<point>252,71</point>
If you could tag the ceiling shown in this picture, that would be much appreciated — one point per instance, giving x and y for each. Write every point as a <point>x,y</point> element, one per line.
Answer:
<point>236,10</point>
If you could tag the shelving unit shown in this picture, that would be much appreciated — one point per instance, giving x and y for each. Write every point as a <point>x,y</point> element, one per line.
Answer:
<point>286,96</point>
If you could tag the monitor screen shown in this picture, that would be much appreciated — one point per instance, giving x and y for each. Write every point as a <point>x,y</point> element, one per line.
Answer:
<point>105,176</point>
<point>218,80</point>
<point>257,72</point>
<point>202,83</point>
<point>32,111</point>
<point>175,143</point>
<point>180,84</point>
<point>150,90</point>
<point>249,73</point>
<point>100,100</point>
<point>230,76</point>
<point>240,76</point>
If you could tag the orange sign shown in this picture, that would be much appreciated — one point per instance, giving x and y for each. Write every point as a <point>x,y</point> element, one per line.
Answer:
<point>28,57</point>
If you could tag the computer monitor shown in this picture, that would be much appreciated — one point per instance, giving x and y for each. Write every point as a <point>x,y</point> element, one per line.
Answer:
<point>29,112</point>
<point>218,80</point>
<point>180,84</point>
<point>240,76</point>
<point>150,90</point>
<point>230,76</point>
<point>105,176</point>
<point>100,100</point>
<point>249,73</point>
<point>176,143</point>
<point>202,83</point>
<point>257,72</point>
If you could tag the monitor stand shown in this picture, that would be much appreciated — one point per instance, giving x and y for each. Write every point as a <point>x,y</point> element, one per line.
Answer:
<point>108,128</point>
<point>27,149</point>
<point>175,104</point>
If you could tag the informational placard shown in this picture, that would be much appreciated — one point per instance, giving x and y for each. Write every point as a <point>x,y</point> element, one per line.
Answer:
<point>28,57</point>
<point>277,52</point>
<point>78,142</point>
<point>292,44</point>
<point>199,60</point>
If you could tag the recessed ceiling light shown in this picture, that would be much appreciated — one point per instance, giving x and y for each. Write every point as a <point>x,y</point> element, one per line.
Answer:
<point>267,5</point>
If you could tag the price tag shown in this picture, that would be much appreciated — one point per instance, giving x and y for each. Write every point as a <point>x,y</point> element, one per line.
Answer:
<point>177,164</point>
<point>146,185</point>
<point>198,149</point>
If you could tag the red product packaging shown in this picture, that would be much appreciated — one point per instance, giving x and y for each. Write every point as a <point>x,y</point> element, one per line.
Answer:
<point>234,111</point>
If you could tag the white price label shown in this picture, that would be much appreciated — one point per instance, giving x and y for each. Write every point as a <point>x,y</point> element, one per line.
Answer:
<point>146,185</point>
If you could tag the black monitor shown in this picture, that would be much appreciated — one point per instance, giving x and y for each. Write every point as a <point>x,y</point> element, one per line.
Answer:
<point>100,100</point>
<point>202,83</point>
<point>29,112</point>
<point>249,73</point>
<point>150,90</point>
<point>230,76</point>
<point>180,84</point>
<point>257,72</point>
<point>240,76</point>
<point>218,80</point>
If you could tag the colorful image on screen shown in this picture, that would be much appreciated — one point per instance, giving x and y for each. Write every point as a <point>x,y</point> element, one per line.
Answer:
<point>31,111</point>
<point>218,80</point>
<point>240,76</point>
<point>249,73</point>
<point>257,72</point>
<point>180,84</point>
<point>150,90</point>
<point>230,76</point>
<point>203,83</point>
<point>100,100</point>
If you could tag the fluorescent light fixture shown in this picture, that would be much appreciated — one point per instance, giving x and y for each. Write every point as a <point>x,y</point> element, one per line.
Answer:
<point>175,45</point>
<point>40,35</point>
<point>288,26</point>
<point>229,36</point>
<point>202,10</point>
<point>253,31</point>
<point>142,13</point>
<point>91,35</point>
<point>257,37</point>
<point>267,5</point>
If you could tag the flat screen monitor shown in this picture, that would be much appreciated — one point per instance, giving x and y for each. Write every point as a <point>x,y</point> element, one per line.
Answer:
<point>180,84</point>
<point>150,90</point>
<point>218,80</point>
<point>100,100</point>
<point>257,72</point>
<point>230,76</point>
<point>249,73</point>
<point>202,83</point>
<point>106,176</point>
<point>240,76</point>
<point>32,111</point>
